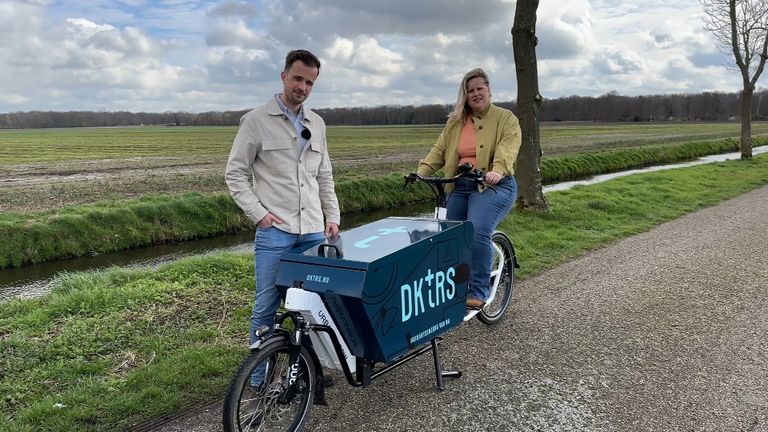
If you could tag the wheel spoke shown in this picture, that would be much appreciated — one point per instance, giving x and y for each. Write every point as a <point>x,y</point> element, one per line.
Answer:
<point>274,405</point>
<point>501,280</point>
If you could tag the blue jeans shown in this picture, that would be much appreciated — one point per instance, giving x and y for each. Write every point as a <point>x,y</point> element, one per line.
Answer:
<point>270,245</point>
<point>485,210</point>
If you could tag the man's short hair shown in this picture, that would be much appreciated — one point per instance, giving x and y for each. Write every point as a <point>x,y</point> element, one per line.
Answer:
<point>304,56</point>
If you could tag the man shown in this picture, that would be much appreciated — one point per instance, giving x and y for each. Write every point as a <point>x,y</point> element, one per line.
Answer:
<point>292,200</point>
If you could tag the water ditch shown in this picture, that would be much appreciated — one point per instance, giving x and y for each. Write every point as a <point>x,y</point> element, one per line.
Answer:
<point>36,280</point>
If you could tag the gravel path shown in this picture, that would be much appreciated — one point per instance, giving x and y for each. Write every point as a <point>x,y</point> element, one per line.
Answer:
<point>662,331</point>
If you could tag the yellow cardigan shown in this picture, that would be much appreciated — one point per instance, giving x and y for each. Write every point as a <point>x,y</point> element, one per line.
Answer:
<point>498,143</point>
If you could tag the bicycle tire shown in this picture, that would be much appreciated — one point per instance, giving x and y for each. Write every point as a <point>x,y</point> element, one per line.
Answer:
<point>276,404</point>
<point>503,264</point>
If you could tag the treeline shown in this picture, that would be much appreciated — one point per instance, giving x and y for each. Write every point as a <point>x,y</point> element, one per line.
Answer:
<point>57,119</point>
<point>610,107</point>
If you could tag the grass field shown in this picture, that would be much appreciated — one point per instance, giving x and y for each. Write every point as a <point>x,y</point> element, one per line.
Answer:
<point>345,142</point>
<point>51,168</point>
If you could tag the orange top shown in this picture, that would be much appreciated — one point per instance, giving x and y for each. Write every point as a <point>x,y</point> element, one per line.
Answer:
<point>468,143</point>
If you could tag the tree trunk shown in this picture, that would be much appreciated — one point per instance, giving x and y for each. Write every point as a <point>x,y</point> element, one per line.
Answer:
<point>746,123</point>
<point>528,172</point>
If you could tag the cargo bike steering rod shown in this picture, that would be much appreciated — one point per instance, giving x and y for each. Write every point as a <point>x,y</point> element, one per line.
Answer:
<point>364,308</point>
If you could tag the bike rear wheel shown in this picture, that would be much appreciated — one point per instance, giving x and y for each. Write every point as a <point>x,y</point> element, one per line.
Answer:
<point>503,271</point>
<point>282,402</point>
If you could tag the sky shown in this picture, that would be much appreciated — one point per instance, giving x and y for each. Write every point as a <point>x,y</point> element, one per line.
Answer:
<point>219,55</point>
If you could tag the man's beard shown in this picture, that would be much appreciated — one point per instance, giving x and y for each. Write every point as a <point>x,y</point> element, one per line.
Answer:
<point>295,98</point>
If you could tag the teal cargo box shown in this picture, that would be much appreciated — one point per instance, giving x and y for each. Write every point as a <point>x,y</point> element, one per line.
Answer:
<point>391,285</point>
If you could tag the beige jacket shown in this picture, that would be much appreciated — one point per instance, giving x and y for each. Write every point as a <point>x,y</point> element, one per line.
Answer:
<point>296,187</point>
<point>498,143</point>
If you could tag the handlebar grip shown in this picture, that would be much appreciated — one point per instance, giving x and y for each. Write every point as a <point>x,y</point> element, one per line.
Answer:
<point>412,177</point>
<point>465,167</point>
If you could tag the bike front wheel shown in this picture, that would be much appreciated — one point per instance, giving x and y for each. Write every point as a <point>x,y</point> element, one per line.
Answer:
<point>503,276</point>
<point>272,390</point>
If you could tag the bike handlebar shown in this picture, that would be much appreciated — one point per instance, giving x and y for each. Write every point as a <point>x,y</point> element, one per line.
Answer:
<point>436,183</point>
<point>465,171</point>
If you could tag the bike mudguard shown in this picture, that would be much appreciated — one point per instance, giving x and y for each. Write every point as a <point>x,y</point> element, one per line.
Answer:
<point>396,283</point>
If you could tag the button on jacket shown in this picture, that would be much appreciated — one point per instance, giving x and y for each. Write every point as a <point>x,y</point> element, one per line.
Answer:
<point>294,185</point>
<point>498,143</point>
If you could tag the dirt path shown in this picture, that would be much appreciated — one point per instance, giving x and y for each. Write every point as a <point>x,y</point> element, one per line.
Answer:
<point>662,331</point>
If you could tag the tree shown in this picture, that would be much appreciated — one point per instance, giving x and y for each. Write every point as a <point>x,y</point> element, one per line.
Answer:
<point>529,100</point>
<point>740,28</point>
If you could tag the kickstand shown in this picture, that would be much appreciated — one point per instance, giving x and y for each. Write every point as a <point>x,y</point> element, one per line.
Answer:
<point>439,372</point>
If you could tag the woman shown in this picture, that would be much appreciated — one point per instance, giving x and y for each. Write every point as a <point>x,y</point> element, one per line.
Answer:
<point>489,137</point>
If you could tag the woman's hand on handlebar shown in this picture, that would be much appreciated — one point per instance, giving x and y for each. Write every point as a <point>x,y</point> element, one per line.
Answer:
<point>412,177</point>
<point>492,178</point>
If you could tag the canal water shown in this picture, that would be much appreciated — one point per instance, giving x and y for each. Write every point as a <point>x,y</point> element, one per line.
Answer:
<point>36,280</point>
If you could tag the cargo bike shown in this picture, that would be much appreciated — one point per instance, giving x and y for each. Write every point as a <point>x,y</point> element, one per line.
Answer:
<point>383,298</point>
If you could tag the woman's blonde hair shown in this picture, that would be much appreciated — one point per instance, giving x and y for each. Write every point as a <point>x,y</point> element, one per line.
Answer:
<point>462,109</point>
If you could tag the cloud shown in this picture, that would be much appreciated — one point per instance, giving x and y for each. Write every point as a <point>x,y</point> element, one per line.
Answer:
<point>402,17</point>
<point>81,64</point>
<point>229,8</point>
<point>88,35</point>
<point>615,61</point>
<point>233,32</point>
<point>565,31</point>
<point>14,99</point>
<point>238,67</point>
<point>228,54</point>
<point>361,65</point>
<point>706,59</point>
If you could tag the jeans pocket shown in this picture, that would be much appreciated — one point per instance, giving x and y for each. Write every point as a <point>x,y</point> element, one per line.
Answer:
<point>509,183</point>
<point>263,232</point>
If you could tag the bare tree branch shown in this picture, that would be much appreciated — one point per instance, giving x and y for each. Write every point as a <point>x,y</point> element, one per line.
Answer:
<point>740,28</point>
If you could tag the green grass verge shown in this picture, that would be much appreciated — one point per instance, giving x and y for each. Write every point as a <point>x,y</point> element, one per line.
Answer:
<point>110,226</point>
<point>569,167</point>
<point>108,349</point>
<point>586,217</point>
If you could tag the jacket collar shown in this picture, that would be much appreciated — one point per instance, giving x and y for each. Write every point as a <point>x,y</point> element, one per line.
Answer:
<point>484,112</point>
<point>273,109</point>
